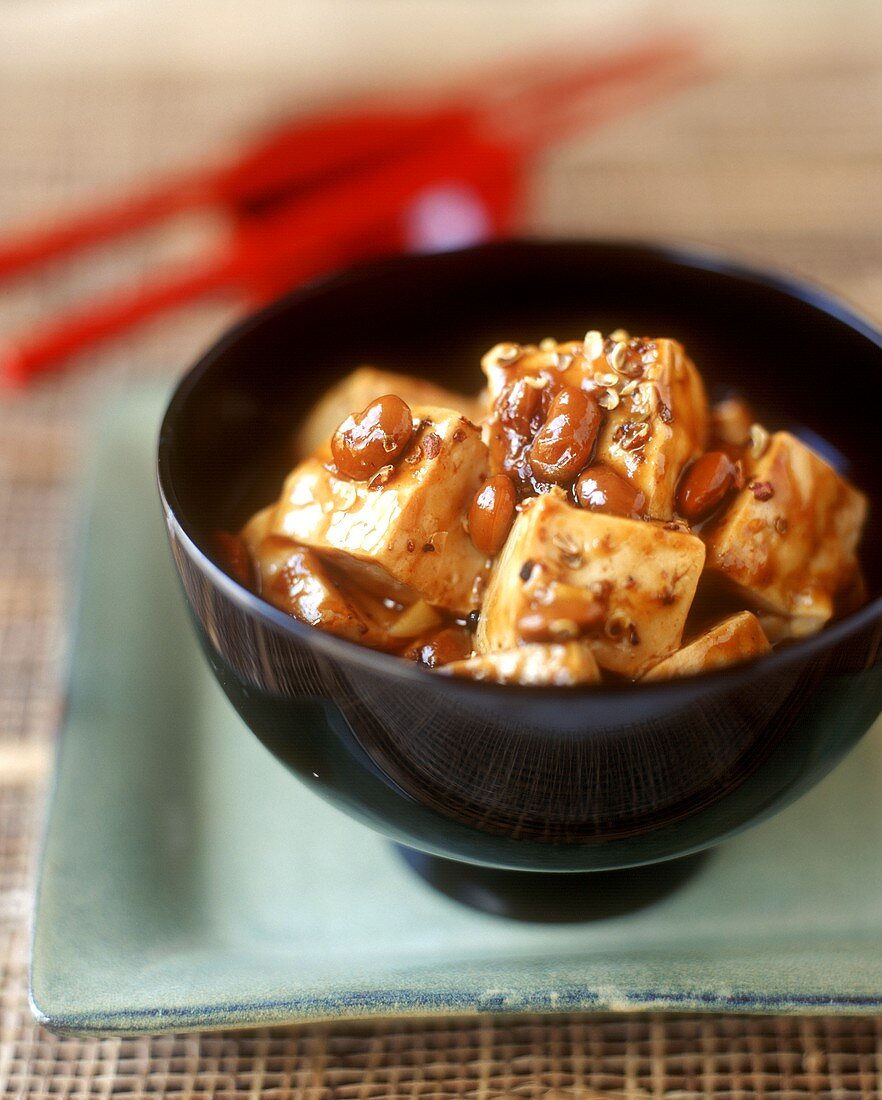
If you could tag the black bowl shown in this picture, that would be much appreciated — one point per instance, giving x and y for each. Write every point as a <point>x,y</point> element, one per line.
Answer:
<point>566,779</point>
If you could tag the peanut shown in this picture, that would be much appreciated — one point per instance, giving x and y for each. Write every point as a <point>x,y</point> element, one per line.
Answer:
<point>601,489</point>
<point>367,441</point>
<point>704,484</point>
<point>492,514</point>
<point>564,443</point>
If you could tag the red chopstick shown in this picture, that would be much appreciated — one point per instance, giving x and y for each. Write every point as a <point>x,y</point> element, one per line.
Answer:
<point>305,199</point>
<point>296,157</point>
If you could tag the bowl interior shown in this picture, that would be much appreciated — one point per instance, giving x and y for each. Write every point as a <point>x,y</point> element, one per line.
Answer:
<point>796,355</point>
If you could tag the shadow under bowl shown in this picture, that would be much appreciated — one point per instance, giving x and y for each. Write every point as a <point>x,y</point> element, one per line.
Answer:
<point>566,779</point>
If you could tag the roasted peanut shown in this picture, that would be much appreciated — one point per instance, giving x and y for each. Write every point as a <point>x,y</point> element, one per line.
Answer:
<point>564,443</point>
<point>704,484</point>
<point>518,413</point>
<point>492,514</point>
<point>518,405</point>
<point>601,489</point>
<point>367,441</point>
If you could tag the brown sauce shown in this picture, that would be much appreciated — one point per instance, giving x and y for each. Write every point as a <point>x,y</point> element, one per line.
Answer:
<point>616,426</point>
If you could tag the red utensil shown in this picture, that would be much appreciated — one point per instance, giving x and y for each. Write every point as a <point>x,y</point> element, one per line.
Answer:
<point>279,164</point>
<point>329,191</point>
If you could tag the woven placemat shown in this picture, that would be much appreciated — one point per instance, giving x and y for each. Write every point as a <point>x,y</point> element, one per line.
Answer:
<point>779,163</point>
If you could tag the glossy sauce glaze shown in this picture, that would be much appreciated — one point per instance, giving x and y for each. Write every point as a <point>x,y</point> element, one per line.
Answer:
<point>589,507</point>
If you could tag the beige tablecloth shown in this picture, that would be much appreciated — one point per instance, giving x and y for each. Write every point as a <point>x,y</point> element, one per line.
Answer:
<point>780,161</point>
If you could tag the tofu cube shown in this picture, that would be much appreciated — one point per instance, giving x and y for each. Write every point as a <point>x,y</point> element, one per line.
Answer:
<point>656,430</point>
<point>404,538</point>
<point>295,580</point>
<point>788,541</point>
<point>659,420</point>
<point>553,665</point>
<point>364,385</point>
<point>736,639</point>
<point>622,587</point>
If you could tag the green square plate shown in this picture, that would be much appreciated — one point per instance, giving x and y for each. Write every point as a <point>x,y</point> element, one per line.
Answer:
<point>189,882</point>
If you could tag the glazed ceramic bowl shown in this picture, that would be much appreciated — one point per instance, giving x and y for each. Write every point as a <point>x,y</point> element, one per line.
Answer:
<point>565,779</point>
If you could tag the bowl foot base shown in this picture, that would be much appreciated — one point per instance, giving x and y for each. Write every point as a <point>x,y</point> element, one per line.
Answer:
<point>552,897</point>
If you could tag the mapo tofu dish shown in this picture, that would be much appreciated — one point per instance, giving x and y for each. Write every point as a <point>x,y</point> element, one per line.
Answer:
<point>587,517</point>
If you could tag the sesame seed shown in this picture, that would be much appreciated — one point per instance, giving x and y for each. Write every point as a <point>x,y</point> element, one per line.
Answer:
<point>617,356</point>
<point>592,345</point>
<point>501,355</point>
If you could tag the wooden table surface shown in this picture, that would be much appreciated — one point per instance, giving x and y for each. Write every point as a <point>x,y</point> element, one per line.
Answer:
<point>779,160</point>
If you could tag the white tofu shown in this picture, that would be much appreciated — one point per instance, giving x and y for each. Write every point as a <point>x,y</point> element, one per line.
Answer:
<point>295,580</point>
<point>660,422</point>
<point>364,385</point>
<point>736,639</point>
<point>624,587</point>
<point>657,430</point>
<point>406,538</point>
<point>553,665</point>
<point>788,541</point>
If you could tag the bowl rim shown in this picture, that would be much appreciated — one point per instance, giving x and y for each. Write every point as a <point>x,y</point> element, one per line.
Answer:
<point>696,257</point>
